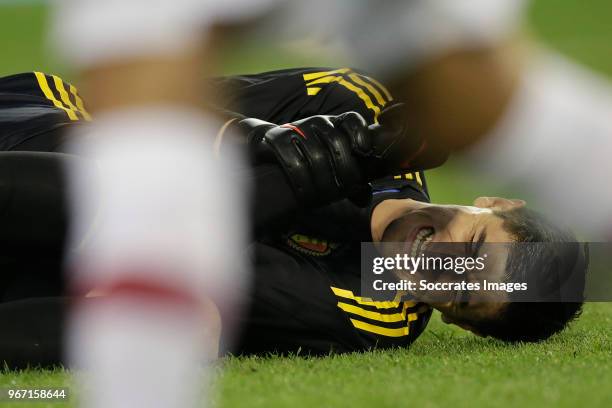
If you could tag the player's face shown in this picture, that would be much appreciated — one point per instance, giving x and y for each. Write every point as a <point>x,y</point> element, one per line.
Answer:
<point>410,222</point>
<point>402,220</point>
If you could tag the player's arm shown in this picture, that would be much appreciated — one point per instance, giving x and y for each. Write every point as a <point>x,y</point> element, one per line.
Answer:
<point>321,160</point>
<point>324,159</point>
<point>458,97</point>
<point>517,109</point>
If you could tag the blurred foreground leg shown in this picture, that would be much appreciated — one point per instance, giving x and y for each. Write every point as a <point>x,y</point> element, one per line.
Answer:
<point>153,229</point>
<point>153,232</point>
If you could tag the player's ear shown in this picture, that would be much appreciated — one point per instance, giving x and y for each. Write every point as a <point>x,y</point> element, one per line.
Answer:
<point>499,203</point>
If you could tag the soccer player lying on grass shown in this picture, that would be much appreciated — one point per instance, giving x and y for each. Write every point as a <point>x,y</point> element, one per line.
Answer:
<point>313,207</point>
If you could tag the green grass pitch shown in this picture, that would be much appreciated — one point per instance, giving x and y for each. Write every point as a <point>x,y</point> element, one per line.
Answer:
<point>446,367</point>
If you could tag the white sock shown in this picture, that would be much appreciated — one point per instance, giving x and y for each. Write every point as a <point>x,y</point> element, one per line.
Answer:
<point>166,236</point>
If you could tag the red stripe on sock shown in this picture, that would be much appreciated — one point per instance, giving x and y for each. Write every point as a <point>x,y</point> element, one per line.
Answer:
<point>136,286</point>
<point>150,291</point>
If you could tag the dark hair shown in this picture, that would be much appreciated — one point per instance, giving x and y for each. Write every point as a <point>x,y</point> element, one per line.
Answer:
<point>553,260</point>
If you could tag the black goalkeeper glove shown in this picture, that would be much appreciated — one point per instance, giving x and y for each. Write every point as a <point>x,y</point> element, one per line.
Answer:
<point>327,158</point>
<point>322,156</point>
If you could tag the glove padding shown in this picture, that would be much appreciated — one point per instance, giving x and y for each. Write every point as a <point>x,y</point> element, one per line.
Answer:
<point>320,155</point>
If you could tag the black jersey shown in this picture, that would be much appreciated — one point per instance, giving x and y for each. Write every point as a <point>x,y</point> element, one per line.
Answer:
<point>306,292</point>
<point>36,108</point>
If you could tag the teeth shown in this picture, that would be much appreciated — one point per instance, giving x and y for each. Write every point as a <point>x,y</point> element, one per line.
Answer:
<point>423,237</point>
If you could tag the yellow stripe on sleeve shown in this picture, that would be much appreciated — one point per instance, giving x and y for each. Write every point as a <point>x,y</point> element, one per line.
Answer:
<point>313,91</point>
<point>381,101</point>
<point>356,310</point>
<point>347,294</point>
<point>410,176</point>
<point>44,87</point>
<point>382,88</point>
<point>383,331</point>
<point>418,179</point>
<point>315,75</point>
<point>327,77</point>
<point>79,103</point>
<point>363,96</point>
<point>373,315</point>
<point>325,80</point>
<point>59,85</point>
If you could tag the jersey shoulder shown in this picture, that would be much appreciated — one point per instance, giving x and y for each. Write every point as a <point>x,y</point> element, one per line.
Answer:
<point>34,107</point>
<point>291,94</point>
<point>347,89</point>
<point>37,89</point>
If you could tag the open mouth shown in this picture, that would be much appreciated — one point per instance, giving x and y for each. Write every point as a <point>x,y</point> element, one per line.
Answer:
<point>421,240</point>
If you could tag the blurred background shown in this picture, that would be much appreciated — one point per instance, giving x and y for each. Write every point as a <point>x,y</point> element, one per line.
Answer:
<point>576,28</point>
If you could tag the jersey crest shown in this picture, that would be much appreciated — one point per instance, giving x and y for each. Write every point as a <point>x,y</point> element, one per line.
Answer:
<point>311,246</point>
